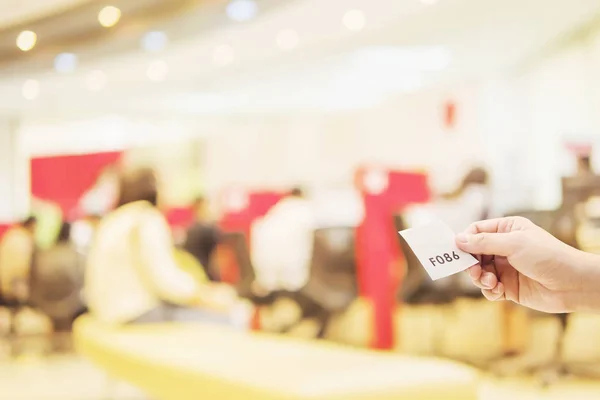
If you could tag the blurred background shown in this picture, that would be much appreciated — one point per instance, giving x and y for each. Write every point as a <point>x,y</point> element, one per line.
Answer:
<point>288,142</point>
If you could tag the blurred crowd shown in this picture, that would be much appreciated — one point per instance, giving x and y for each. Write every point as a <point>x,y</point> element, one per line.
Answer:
<point>294,275</point>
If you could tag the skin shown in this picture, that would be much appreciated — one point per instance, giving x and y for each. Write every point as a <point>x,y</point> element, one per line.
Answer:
<point>523,263</point>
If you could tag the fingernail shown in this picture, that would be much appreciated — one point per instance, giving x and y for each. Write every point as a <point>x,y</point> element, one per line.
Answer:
<point>485,281</point>
<point>496,290</point>
<point>462,238</point>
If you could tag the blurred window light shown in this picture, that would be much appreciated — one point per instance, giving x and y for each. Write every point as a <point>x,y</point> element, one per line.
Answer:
<point>109,16</point>
<point>31,89</point>
<point>223,55</point>
<point>354,20</point>
<point>287,39</point>
<point>242,10</point>
<point>405,58</point>
<point>154,41</point>
<point>26,40</point>
<point>65,62</point>
<point>158,70</point>
<point>96,80</point>
<point>429,2</point>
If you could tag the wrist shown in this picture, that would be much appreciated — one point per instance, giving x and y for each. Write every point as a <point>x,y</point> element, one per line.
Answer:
<point>586,290</point>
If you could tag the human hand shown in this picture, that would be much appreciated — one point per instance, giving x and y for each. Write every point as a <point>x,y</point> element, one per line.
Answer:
<point>259,290</point>
<point>521,262</point>
<point>20,290</point>
<point>217,297</point>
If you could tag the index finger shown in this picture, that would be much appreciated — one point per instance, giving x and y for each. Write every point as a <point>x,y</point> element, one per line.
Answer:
<point>499,225</point>
<point>485,226</point>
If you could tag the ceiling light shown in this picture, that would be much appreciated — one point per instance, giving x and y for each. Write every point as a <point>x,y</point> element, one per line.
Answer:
<point>354,20</point>
<point>31,89</point>
<point>109,16</point>
<point>154,41</point>
<point>242,10</point>
<point>157,70</point>
<point>287,39</point>
<point>96,80</point>
<point>65,62</point>
<point>26,40</point>
<point>223,55</point>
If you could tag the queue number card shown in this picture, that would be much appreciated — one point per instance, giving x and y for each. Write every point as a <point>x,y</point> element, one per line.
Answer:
<point>435,247</point>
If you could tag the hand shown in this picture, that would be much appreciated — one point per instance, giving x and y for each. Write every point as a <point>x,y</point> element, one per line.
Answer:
<point>521,262</point>
<point>217,297</point>
<point>259,290</point>
<point>20,290</point>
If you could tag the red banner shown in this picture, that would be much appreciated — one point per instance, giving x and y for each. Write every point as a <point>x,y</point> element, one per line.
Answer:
<point>63,180</point>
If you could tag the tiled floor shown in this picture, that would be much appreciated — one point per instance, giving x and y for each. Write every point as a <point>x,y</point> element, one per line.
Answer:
<point>70,378</point>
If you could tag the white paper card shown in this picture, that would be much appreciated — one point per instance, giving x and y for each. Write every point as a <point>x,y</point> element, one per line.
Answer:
<point>435,247</point>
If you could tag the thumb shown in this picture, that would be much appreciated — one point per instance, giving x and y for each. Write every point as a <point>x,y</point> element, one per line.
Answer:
<point>497,244</point>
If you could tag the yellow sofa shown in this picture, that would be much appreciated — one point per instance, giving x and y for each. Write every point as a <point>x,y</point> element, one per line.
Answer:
<point>191,361</point>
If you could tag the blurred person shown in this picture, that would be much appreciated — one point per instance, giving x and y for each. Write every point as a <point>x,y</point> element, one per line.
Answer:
<point>468,203</point>
<point>282,244</point>
<point>584,166</point>
<point>282,252</point>
<point>84,230</point>
<point>202,239</point>
<point>132,275</point>
<point>57,281</point>
<point>17,250</point>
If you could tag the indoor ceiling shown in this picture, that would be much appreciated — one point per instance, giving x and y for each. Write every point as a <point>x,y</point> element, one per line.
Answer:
<point>13,12</point>
<point>71,26</point>
<point>219,66</point>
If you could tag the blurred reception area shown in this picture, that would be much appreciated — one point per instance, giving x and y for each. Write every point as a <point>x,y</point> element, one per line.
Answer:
<point>201,199</point>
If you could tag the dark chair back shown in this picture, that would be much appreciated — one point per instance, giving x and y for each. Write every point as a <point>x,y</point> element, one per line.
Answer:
<point>237,243</point>
<point>414,275</point>
<point>333,278</point>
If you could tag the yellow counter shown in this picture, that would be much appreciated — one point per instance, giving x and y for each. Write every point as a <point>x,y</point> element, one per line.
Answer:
<point>193,361</point>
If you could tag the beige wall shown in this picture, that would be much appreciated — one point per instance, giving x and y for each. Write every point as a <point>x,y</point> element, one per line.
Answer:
<point>325,150</point>
<point>514,124</point>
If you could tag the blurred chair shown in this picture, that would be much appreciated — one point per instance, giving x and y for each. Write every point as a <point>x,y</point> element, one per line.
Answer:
<point>235,244</point>
<point>580,352</point>
<point>332,285</point>
<point>333,277</point>
<point>576,190</point>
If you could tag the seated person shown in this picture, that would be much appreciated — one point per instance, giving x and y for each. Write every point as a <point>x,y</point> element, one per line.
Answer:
<point>56,281</point>
<point>282,245</point>
<point>17,249</point>
<point>202,239</point>
<point>132,274</point>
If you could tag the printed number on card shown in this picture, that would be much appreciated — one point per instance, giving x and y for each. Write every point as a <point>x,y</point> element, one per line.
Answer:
<point>444,258</point>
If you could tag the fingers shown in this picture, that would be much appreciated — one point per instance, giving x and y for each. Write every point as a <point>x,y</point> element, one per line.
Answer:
<point>483,278</point>
<point>496,294</point>
<point>488,226</point>
<point>475,272</point>
<point>486,279</point>
<point>498,225</point>
<point>499,244</point>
